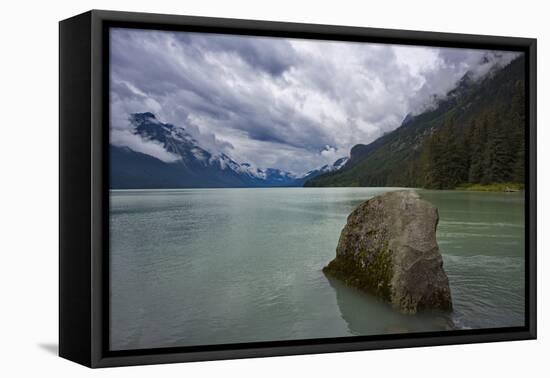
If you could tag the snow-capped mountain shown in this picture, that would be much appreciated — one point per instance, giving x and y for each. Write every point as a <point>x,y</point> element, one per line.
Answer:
<point>193,166</point>
<point>337,165</point>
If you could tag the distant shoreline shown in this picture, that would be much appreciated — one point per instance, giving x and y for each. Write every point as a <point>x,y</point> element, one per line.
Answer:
<point>494,188</point>
<point>506,187</point>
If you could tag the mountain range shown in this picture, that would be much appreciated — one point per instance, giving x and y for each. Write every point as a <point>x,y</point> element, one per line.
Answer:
<point>475,134</point>
<point>193,166</point>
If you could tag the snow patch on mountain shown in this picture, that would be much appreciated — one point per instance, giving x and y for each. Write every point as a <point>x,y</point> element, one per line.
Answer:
<point>338,164</point>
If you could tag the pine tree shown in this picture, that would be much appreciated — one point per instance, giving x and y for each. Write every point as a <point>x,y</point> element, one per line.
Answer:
<point>433,157</point>
<point>519,164</point>
<point>446,158</point>
<point>500,155</point>
<point>478,139</point>
<point>489,148</point>
<point>519,124</point>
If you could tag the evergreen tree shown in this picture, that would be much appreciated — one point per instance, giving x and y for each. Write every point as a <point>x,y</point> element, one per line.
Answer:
<point>518,115</point>
<point>447,160</point>
<point>519,164</point>
<point>477,147</point>
<point>499,152</point>
<point>433,157</point>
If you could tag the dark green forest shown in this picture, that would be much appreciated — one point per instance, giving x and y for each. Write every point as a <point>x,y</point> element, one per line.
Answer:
<point>475,136</point>
<point>490,149</point>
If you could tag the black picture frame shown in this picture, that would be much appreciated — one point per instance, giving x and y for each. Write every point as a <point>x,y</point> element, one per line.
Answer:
<point>84,192</point>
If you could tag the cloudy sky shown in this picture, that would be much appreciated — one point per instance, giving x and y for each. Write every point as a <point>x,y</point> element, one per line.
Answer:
<point>283,103</point>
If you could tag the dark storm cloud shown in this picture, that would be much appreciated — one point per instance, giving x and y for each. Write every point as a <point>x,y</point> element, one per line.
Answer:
<point>279,102</point>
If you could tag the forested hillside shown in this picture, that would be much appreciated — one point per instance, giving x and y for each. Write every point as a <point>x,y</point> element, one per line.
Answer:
<point>475,136</point>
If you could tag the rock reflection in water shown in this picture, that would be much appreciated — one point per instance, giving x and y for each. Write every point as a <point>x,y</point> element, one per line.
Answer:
<point>366,314</point>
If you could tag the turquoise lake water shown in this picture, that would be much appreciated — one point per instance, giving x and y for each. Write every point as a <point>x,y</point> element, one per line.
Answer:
<point>216,266</point>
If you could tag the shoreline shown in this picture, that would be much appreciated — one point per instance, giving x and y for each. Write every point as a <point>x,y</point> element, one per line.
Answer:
<point>489,188</point>
<point>495,188</point>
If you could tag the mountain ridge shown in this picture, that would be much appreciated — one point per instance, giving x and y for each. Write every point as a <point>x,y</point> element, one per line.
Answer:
<point>417,153</point>
<point>193,166</point>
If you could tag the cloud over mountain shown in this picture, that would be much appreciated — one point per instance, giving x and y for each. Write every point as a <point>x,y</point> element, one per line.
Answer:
<point>285,103</point>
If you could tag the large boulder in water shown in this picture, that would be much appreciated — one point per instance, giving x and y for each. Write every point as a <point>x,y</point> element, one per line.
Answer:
<point>388,247</point>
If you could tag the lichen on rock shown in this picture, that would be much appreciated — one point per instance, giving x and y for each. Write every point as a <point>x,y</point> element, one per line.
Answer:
<point>388,247</point>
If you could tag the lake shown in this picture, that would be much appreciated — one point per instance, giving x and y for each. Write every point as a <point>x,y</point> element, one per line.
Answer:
<point>215,266</point>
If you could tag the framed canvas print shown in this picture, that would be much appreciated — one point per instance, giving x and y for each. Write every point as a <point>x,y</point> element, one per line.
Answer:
<point>233,188</point>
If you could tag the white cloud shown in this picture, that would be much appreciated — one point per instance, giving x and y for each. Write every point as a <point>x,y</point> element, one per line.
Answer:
<point>125,138</point>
